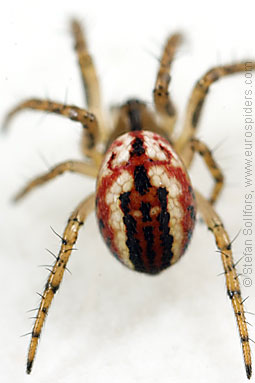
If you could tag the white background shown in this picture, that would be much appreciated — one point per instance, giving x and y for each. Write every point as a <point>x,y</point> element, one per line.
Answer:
<point>108,324</point>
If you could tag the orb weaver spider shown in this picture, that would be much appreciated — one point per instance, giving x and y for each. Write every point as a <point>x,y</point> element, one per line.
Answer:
<point>144,200</point>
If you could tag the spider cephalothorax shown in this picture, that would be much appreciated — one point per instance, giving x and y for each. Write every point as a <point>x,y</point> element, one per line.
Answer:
<point>145,203</point>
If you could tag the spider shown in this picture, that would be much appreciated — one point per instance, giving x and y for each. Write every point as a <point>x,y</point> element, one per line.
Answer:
<point>145,203</point>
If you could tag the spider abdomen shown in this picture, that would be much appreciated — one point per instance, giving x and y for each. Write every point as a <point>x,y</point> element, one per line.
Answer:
<point>145,204</point>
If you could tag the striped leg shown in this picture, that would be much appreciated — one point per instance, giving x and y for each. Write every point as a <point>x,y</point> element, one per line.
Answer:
<point>162,100</point>
<point>87,67</point>
<point>199,147</point>
<point>88,120</point>
<point>89,78</point>
<point>71,166</point>
<point>198,97</point>
<point>69,238</point>
<point>215,225</point>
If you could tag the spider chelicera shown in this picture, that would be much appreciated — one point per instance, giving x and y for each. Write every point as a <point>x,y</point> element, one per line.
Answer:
<point>144,200</point>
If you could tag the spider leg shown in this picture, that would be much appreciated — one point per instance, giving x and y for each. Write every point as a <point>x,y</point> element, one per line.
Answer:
<point>69,238</point>
<point>162,100</point>
<point>198,97</point>
<point>88,120</point>
<point>87,67</point>
<point>89,77</point>
<point>71,166</point>
<point>215,225</point>
<point>201,148</point>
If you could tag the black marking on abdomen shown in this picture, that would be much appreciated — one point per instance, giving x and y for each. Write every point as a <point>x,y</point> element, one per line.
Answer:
<point>166,238</point>
<point>149,238</point>
<point>145,210</point>
<point>142,182</point>
<point>124,202</point>
<point>133,244</point>
<point>137,147</point>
